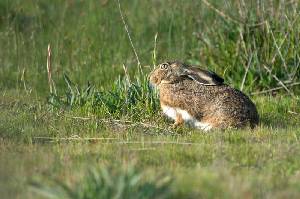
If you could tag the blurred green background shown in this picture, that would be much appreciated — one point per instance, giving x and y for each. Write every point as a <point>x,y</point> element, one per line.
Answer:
<point>89,42</point>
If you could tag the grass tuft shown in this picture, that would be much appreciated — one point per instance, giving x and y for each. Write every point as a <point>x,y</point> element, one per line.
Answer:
<point>135,99</point>
<point>106,183</point>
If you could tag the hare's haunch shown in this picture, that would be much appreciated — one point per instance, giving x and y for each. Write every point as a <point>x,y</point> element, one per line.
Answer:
<point>200,98</point>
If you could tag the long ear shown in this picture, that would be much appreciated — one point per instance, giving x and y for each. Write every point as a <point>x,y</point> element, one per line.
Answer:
<point>202,76</point>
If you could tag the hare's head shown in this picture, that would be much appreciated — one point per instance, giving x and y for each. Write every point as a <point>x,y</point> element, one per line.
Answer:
<point>172,72</point>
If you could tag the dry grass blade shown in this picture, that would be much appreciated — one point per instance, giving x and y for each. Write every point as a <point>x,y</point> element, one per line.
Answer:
<point>278,80</point>
<point>129,37</point>
<point>275,89</point>
<point>219,12</point>
<point>278,50</point>
<point>81,118</point>
<point>143,149</point>
<point>245,75</point>
<point>49,68</point>
<point>292,112</point>
<point>278,47</point>
<point>75,138</point>
<point>226,17</point>
<point>23,79</point>
<point>156,143</point>
<point>126,73</point>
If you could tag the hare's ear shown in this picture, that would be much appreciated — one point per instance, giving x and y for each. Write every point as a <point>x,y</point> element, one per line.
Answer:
<point>202,76</point>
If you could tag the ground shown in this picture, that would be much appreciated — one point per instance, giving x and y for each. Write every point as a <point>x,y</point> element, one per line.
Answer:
<point>232,164</point>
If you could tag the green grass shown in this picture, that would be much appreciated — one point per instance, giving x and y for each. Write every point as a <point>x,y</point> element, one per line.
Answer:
<point>119,145</point>
<point>232,164</point>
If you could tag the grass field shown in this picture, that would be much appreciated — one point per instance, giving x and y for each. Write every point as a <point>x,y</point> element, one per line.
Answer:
<point>100,133</point>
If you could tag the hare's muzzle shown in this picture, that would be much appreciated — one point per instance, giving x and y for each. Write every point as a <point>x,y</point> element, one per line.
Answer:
<point>152,77</point>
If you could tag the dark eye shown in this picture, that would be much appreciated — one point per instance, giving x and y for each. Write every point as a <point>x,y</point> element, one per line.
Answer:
<point>164,66</point>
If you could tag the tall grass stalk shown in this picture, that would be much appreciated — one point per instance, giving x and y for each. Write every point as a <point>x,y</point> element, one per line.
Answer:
<point>129,37</point>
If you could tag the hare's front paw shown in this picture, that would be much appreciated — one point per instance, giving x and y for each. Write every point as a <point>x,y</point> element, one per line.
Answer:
<point>178,121</point>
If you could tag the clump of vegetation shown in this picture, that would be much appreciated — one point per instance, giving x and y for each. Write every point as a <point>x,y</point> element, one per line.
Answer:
<point>125,98</point>
<point>106,183</point>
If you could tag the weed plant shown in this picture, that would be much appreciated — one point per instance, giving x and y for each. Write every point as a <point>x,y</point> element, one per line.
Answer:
<point>135,100</point>
<point>106,183</point>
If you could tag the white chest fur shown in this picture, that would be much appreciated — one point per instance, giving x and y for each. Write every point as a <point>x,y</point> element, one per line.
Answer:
<point>175,112</point>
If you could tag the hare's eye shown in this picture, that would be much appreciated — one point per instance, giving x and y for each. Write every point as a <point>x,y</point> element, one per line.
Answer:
<point>164,66</point>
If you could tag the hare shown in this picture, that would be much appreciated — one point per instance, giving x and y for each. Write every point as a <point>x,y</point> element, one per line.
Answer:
<point>201,98</point>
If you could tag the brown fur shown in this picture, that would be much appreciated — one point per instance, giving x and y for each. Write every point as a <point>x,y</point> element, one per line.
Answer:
<point>219,105</point>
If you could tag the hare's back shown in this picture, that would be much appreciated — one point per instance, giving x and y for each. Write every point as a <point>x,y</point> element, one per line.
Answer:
<point>236,108</point>
<point>222,106</point>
